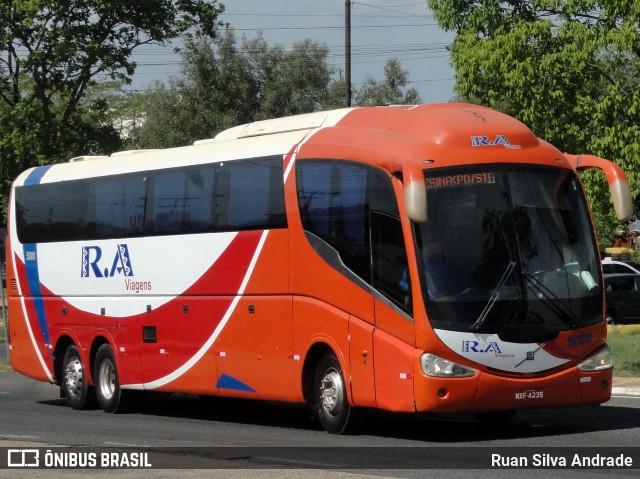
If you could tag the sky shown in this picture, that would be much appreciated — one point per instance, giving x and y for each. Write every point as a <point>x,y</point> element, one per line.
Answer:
<point>381,29</point>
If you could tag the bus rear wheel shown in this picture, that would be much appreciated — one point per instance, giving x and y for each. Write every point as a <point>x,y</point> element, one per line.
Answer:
<point>335,413</point>
<point>112,398</point>
<point>75,388</point>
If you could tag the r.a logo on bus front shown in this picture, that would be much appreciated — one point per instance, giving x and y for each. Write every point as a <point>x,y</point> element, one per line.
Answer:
<point>474,346</point>
<point>499,140</point>
<point>94,265</point>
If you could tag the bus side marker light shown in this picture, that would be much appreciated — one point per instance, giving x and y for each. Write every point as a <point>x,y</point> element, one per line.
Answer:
<point>295,357</point>
<point>585,379</point>
<point>405,376</point>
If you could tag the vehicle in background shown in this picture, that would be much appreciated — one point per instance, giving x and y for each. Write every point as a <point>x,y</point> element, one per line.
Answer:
<point>610,266</point>
<point>623,298</point>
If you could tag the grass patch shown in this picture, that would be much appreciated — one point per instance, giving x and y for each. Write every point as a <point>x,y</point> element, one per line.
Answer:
<point>4,365</point>
<point>624,341</point>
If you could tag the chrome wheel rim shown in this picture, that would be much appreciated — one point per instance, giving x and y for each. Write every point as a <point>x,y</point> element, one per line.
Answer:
<point>107,379</point>
<point>332,392</point>
<point>73,377</point>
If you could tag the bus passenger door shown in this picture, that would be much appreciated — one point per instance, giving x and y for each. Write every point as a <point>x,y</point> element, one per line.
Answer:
<point>363,391</point>
<point>394,337</point>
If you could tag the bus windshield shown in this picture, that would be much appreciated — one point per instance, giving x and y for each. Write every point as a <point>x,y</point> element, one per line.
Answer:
<point>509,250</point>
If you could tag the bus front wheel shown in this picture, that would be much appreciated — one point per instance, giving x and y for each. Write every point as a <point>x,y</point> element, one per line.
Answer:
<point>335,413</point>
<point>75,388</point>
<point>112,398</point>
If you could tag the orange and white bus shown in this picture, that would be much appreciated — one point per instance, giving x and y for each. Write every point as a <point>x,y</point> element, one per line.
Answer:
<point>434,258</point>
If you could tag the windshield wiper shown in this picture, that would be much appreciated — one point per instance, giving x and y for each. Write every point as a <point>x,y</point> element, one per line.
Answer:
<point>494,297</point>
<point>545,294</point>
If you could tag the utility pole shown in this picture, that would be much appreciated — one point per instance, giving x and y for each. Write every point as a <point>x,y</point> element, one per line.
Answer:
<point>347,51</point>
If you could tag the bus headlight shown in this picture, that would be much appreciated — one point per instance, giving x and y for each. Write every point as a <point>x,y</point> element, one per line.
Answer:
<point>436,366</point>
<point>598,361</point>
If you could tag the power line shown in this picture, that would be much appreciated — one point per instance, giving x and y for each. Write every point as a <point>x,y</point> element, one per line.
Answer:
<point>331,27</point>
<point>392,8</point>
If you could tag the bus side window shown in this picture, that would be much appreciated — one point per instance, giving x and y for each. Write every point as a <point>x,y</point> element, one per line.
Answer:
<point>115,206</point>
<point>353,208</point>
<point>250,195</point>
<point>390,269</point>
<point>332,199</point>
<point>389,255</point>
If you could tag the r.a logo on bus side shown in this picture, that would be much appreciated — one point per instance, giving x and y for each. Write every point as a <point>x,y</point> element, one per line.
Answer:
<point>121,264</point>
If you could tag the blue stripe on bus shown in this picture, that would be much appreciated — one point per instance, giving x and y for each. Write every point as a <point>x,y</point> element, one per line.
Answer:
<point>227,382</point>
<point>35,177</point>
<point>33,278</point>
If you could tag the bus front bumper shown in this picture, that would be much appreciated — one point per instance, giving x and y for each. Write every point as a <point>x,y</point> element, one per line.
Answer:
<point>486,392</point>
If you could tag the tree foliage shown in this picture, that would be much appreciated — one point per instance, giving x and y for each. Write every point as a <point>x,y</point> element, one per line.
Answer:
<point>391,91</point>
<point>567,68</point>
<point>52,51</point>
<point>224,83</point>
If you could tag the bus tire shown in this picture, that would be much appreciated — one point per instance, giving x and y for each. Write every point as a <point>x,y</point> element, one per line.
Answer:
<point>332,406</point>
<point>75,387</point>
<point>112,398</point>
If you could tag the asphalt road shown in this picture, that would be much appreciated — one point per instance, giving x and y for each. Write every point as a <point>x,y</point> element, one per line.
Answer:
<point>196,429</point>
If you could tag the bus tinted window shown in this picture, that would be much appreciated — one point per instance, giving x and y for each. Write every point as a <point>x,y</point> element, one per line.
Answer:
<point>181,200</point>
<point>232,196</point>
<point>332,198</point>
<point>250,195</point>
<point>51,212</point>
<point>115,207</point>
<point>353,208</point>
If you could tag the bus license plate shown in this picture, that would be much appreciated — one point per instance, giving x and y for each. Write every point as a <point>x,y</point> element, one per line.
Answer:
<point>527,394</point>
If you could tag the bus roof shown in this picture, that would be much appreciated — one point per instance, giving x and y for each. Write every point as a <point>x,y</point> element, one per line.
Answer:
<point>415,133</point>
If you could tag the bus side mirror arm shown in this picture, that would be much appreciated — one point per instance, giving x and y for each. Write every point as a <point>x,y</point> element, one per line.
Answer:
<point>616,178</point>
<point>415,192</point>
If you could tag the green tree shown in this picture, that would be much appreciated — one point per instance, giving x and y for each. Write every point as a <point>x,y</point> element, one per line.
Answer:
<point>52,51</point>
<point>216,89</point>
<point>567,68</point>
<point>290,82</point>
<point>222,85</point>
<point>391,91</point>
